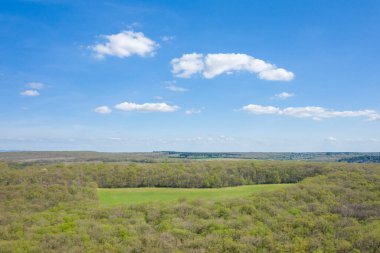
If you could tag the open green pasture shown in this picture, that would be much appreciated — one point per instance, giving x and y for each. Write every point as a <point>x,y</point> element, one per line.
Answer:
<point>127,196</point>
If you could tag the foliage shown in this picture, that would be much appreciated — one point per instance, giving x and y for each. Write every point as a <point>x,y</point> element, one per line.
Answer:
<point>362,159</point>
<point>336,208</point>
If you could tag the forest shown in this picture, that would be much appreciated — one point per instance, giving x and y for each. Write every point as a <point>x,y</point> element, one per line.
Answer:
<point>330,207</point>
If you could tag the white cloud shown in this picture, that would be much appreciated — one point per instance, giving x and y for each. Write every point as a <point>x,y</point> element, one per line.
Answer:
<point>313,112</point>
<point>134,25</point>
<point>115,139</point>
<point>276,74</point>
<point>175,88</point>
<point>213,65</point>
<point>30,93</point>
<point>193,111</point>
<point>259,109</point>
<point>187,65</point>
<point>331,139</point>
<point>167,38</point>
<point>125,44</point>
<point>35,85</point>
<point>146,107</point>
<point>375,116</point>
<point>284,95</point>
<point>317,112</point>
<point>103,110</point>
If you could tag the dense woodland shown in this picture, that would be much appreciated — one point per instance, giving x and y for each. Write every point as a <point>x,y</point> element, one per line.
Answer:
<point>332,207</point>
<point>362,159</point>
<point>208,174</point>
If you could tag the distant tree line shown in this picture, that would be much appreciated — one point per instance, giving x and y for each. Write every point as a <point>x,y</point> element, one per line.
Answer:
<point>174,156</point>
<point>211,174</point>
<point>362,159</point>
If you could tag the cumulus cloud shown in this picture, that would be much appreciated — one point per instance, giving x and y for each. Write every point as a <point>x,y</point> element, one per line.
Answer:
<point>187,65</point>
<point>259,109</point>
<point>284,95</point>
<point>147,107</point>
<point>35,85</point>
<point>30,93</point>
<point>212,65</point>
<point>276,74</point>
<point>313,112</point>
<point>103,110</point>
<point>193,111</point>
<point>125,44</point>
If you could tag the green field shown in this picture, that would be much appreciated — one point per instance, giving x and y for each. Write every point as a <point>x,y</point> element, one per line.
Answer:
<point>127,196</point>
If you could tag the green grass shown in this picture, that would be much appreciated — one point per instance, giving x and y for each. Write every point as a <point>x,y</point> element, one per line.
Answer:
<point>127,196</point>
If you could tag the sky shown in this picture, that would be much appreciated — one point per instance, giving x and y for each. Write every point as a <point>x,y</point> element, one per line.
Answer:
<point>216,75</point>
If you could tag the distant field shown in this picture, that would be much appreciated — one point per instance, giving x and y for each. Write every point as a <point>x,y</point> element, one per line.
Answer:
<point>172,156</point>
<point>127,196</point>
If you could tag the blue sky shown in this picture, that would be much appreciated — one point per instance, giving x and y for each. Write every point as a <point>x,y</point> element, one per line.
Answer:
<point>190,75</point>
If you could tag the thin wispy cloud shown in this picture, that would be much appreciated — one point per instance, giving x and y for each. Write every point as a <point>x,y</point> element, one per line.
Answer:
<point>125,44</point>
<point>331,139</point>
<point>147,107</point>
<point>134,25</point>
<point>193,111</point>
<point>313,112</point>
<point>176,88</point>
<point>284,95</point>
<point>35,85</point>
<point>212,65</point>
<point>103,110</point>
<point>167,38</point>
<point>172,86</point>
<point>30,93</point>
<point>32,89</point>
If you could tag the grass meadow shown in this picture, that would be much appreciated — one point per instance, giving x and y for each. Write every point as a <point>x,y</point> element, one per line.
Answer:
<point>129,196</point>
